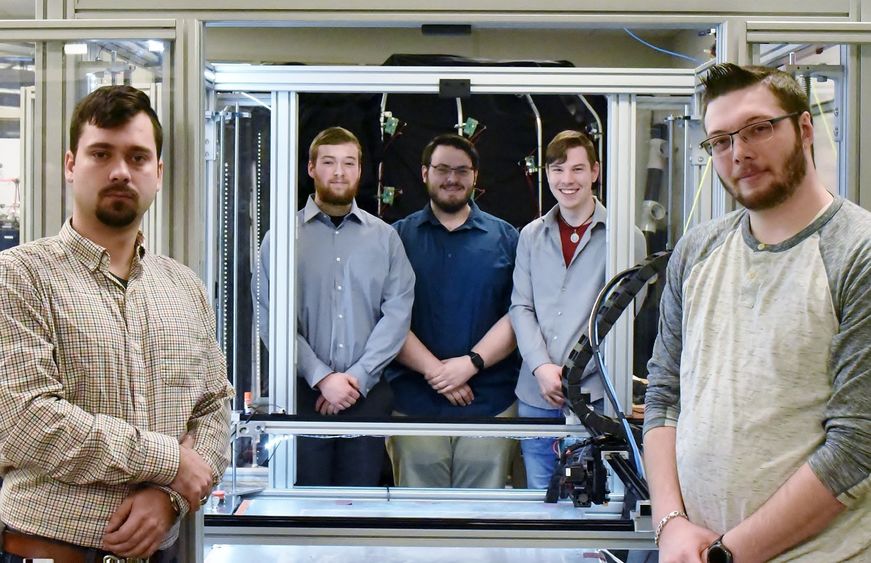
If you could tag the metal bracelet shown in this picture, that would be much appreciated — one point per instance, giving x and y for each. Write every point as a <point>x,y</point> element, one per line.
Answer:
<point>665,520</point>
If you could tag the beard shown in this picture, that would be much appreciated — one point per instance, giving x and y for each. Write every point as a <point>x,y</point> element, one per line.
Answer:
<point>780,190</point>
<point>332,196</point>
<point>118,212</point>
<point>446,203</point>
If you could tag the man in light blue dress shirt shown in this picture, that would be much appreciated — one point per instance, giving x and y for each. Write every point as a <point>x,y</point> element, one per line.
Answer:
<point>355,289</point>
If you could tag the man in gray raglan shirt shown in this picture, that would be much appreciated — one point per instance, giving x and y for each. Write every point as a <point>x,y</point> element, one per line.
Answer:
<point>758,418</point>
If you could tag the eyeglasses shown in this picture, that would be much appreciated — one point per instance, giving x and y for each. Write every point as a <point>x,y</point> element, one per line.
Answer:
<point>754,133</point>
<point>461,172</point>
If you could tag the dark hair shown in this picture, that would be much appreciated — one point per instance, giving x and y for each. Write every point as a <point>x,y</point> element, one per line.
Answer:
<point>450,140</point>
<point>557,150</point>
<point>112,106</point>
<point>726,78</point>
<point>333,136</point>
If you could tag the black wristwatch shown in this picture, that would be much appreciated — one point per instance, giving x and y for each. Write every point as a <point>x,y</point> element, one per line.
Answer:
<point>477,360</point>
<point>718,552</point>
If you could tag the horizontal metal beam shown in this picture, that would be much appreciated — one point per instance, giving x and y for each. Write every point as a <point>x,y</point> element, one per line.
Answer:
<point>425,80</point>
<point>60,30</point>
<point>834,32</point>
<point>339,535</point>
<point>344,428</point>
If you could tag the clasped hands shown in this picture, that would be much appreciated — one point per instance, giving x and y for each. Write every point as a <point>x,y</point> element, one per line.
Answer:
<point>449,378</point>
<point>141,522</point>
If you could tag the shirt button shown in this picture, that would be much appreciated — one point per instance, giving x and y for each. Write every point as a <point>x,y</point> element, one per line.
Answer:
<point>554,337</point>
<point>338,259</point>
<point>760,246</point>
<point>341,316</point>
<point>339,287</point>
<point>563,290</point>
<point>335,233</point>
<point>341,346</point>
<point>559,313</point>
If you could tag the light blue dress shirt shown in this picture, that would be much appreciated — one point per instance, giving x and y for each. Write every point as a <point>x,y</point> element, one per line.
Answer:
<point>551,302</point>
<point>355,289</point>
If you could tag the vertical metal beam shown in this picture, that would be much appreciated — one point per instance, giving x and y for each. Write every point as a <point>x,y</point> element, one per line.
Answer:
<point>190,538</point>
<point>211,201</point>
<point>29,199</point>
<point>52,10</point>
<point>859,177</point>
<point>282,269</point>
<point>621,196</point>
<point>185,197</point>
<point>859,137</point>
<point>49,178</point>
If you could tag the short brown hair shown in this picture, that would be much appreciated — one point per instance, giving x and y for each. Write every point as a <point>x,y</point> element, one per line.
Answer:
<point>334,136</point>
<point>557,150</point>
<point>112,106</point>
<point>726,78</point>
<point>450,140</point>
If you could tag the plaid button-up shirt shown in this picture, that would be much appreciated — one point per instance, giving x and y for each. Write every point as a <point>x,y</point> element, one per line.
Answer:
<point>99,382</point>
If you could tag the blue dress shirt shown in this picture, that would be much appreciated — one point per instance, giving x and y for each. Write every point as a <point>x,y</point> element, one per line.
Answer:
<point>463,286</point>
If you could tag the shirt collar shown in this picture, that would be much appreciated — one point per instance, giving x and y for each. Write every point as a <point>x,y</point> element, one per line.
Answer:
<point>600,214</point>
<point>311,210</point>
<point>816,224</point>
<point>91,254</point>
<point>475,220</point>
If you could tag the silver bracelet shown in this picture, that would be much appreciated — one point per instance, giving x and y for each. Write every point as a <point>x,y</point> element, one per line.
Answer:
<point>665,520</point>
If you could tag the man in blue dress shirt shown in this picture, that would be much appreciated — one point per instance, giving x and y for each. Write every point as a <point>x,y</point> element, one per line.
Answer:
<point>458,359</point>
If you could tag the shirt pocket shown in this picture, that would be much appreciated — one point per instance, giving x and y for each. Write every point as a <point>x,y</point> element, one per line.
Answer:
<point>182,347</point>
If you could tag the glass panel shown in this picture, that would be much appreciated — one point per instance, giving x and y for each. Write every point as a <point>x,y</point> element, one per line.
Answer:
<point>17,89</point>
<point>661,211</point>
<point>393,131</point>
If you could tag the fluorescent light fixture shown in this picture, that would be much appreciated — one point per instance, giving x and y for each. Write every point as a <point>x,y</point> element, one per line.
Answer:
<point>75,48</point>
<point>155,46</point>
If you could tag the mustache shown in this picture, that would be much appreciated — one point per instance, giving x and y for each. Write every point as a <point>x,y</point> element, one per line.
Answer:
<point>118,189</point>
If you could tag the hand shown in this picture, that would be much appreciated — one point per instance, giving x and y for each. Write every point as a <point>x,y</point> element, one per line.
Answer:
<point>140,524</point>
<point>550,383</point>
<point>453,373</point>
<point>193,480</point>
<point>462,396</point>
<point>684,542</point>
<point>339,389</point>
<point>324,407</point>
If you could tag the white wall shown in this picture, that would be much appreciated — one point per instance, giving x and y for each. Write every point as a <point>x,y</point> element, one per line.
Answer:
<point>371,46</point>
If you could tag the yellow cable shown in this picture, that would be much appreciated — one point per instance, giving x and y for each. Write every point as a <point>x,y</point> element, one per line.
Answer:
<point>825,121</point>
<point>698,193</point>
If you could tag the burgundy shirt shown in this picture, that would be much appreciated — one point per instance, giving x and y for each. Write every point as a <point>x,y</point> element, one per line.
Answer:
<point>565,235</point>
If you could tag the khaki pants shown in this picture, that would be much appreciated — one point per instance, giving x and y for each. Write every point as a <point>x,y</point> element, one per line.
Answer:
<point>452,461</point>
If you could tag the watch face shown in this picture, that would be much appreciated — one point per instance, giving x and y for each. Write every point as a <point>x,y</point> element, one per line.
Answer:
<point>477,361</point>
<point>719,554</point>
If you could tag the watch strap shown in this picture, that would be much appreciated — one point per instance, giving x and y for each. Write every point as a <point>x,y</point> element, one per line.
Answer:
<point>477,360</point>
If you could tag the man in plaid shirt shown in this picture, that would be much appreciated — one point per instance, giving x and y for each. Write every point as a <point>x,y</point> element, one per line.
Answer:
<point>114,415</point>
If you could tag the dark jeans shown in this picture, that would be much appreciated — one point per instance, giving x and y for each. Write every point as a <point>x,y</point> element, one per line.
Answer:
<point>350,462</point>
